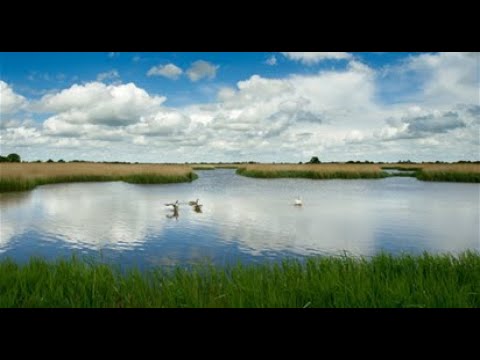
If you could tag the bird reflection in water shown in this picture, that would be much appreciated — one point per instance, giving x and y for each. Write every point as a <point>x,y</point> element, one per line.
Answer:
<point>174,214</point>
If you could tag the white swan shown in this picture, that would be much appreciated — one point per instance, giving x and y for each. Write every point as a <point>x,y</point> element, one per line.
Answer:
<point>298,201</point>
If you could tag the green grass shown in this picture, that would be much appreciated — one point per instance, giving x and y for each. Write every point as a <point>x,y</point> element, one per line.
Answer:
<point>311,174</point>
<point>20,184</point>
<point>382,281</point>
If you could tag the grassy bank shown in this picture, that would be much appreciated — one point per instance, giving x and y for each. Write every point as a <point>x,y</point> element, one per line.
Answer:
<point>320,171</point>
<point>382,281</point>
<point>26,176</point>
<point>450,172</point>
<point>440,172</point>
<point>424,171</point>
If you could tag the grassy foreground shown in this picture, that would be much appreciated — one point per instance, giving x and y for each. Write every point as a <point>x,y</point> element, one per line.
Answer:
<point>26,176</point>
<point>382,281</point>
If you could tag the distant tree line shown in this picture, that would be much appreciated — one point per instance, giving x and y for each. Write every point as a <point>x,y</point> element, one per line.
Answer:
<point>313,160</point>
<point>360,162</point>
<point>10,158</point>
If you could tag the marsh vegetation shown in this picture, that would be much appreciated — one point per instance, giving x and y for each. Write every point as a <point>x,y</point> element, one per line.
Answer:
<point>381,281</point>
<point>422,171</point>
<point>313,171</point>
<point>26,176</point>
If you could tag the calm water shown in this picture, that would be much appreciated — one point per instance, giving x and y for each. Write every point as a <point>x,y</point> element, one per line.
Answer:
<point>242,219</point>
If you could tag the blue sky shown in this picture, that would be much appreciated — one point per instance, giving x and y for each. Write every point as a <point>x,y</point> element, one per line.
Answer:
<point>36,73</point>
<point>343,105</point>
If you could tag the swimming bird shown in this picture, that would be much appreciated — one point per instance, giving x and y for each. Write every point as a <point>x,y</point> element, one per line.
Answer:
<point>193,203</point>
<point>298,201</point>
<point>175,205</point>
<point>197,208</point>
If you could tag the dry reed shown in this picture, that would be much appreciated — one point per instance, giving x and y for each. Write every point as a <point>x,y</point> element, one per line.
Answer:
<point>25,176</point>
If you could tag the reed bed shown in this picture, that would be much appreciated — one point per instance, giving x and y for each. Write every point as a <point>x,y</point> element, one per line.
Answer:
<point>450,172</point>
<point>441,172</point>
<point>424,171</point>
<point>384,281</point>
<point>203,167</point>
<point>313,171</point>
<point>26,176</point>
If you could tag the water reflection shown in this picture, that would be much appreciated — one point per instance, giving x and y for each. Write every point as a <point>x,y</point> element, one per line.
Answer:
<point>174,208</point>
<point>242,218</point>
<point>14,199</point>
<point>173,214</point>
<point>12,220</point>
<point>94,215</point>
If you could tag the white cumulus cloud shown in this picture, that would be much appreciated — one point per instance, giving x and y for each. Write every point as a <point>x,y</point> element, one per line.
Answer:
<point>162,123</point>
<point>202,69</point>
<point>10,102</point>
<point>449,76</point>
<point>170,71</point>
<point>98,103</point>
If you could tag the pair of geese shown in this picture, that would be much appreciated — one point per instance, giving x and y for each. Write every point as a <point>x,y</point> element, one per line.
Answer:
<point>191,203</point>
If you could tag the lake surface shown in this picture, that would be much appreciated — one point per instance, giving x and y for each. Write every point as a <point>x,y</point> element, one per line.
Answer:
<point>242,219</point>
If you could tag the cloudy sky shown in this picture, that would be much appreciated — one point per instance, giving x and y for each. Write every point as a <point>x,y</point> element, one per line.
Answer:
<point>286,106</point>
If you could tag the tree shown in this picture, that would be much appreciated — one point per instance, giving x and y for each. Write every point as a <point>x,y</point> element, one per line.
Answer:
<point>314,160</point>
<point>13,158</point>
<point>49,161</point>
<point>3,159</point>
<point>61,161</point>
